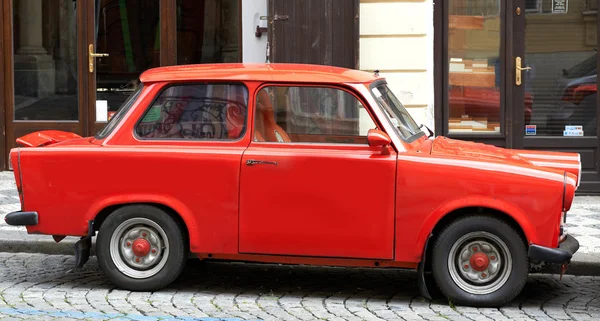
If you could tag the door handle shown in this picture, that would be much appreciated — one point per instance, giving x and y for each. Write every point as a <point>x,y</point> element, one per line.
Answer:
<point>518,70</point>
<point>92,55</point>
<point>251,162</point>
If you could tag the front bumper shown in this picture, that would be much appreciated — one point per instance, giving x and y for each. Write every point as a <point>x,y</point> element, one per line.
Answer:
<point>20,218</point>
<point>562,254</point>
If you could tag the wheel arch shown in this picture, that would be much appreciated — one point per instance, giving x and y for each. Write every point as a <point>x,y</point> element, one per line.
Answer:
<point>451,216</point>
<point>180,213</point>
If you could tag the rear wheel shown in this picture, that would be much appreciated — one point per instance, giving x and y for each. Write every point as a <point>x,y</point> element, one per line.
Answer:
<point>480,261</point>
<point>141,248</point>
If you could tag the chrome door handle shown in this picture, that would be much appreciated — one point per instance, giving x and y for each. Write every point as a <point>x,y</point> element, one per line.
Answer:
<point>251,162</point>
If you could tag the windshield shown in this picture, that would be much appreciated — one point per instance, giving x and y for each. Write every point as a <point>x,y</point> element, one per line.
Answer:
<point>398,115</point>
<point>116,119</point>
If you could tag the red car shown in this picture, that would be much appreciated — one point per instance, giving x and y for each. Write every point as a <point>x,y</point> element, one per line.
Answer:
<point>294,164</point>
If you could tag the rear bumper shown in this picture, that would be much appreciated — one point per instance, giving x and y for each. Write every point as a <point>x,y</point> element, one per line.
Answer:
<point>20,218</point>
<point>562,254</point>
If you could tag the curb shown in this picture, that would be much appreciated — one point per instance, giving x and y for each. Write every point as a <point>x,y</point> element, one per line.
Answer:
<point>21,242</point>
<point>582,264</point>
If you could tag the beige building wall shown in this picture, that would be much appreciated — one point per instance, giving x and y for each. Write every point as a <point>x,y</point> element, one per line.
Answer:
<point>396,37</point>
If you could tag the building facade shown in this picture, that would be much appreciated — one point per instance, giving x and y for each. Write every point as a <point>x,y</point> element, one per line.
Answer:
<point>511,73</point>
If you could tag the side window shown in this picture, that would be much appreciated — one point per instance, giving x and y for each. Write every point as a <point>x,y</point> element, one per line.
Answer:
<point>310,115</point>
<point>197,112</point>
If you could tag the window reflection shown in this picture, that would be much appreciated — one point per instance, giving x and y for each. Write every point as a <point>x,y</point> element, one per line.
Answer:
<point>474,61</point>
<point>310,115</point>
<point>561,49</point>
<point>207,112</point>
<point>45,60</point>
<point>208,31</point>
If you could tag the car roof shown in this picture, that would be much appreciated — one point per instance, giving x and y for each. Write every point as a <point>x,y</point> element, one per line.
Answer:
<point>257,72</point>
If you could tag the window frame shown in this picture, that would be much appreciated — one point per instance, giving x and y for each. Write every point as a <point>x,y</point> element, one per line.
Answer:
<point>346,89</point>
<point>407,140</point>
<point>198,140</point>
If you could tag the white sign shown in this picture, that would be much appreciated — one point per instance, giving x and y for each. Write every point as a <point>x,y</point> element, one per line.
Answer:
<point>101,110</point>
<point>573,131</point>
<point>560,6</point>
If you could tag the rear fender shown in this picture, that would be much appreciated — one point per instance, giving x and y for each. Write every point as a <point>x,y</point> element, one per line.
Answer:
<point>184,212</point>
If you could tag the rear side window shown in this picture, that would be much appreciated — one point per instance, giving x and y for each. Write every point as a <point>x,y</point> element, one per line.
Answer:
<point>196,112</point>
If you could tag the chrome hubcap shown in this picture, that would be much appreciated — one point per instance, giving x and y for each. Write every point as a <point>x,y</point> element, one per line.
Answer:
<point>479,263</point>
<point>139,248</point>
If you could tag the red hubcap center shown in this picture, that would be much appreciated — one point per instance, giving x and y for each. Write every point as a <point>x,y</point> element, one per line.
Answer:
<point>141,247</point>
<point>479,261</point>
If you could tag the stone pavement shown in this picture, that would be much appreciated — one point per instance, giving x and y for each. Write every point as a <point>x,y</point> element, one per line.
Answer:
<point>44,287</point>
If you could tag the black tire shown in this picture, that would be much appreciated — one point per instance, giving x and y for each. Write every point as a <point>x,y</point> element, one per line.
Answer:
<point>174,263</point>
<point>510,278</point>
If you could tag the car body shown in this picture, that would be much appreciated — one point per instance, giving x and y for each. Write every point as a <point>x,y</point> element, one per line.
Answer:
<point>294,164</point>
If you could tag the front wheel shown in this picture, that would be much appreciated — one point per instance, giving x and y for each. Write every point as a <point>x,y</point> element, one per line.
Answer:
<point>480,261</point>
<point>141,248</point>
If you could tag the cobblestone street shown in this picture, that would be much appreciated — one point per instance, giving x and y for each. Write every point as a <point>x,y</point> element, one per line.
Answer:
<point>43,287</point>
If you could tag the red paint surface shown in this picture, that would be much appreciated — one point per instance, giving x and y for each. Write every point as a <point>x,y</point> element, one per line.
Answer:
<point>479,261</point>
<point>322,203</point>
<point>140,247</point>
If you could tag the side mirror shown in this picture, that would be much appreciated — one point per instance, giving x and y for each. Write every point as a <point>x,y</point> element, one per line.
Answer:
<point>377,138</point>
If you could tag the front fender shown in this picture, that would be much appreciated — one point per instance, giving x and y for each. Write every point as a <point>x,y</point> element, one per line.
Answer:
<point>477,201</point>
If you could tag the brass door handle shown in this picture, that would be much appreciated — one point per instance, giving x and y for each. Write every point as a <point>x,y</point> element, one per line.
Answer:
<point>92,55</point>
<point>518,70</point>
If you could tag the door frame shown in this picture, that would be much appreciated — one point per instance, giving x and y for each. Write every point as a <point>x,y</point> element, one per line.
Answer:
<point>441,73</point>
<point>11,126</point>
<point>4,25</point>
<point>519,139</point>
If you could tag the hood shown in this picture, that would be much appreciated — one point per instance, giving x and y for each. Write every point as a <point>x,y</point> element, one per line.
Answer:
<point>46,138</point>
<point>568,162</point>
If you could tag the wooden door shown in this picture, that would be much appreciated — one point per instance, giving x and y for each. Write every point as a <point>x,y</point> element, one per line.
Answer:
<point>556,103</point>
<point>321,32</point>
<point>42,79</point>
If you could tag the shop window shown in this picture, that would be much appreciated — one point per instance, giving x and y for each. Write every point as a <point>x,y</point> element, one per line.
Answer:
<point>533,6</point>
<point>197,112</point>
<point>208,31</point>
<point>562,86</point>
<point>474,66</point>
<point>45,61</point>
<point>310,115</point>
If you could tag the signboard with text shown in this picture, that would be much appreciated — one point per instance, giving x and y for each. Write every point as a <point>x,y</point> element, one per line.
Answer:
<point>560,6</point>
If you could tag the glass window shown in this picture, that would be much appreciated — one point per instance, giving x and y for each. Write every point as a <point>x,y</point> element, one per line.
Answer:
<point>208,31</point>
<point>396,112</point>
<point>197,111</point>
<point>45,60</point>
<point>120,113</point>
<point>474,66</point>
<point>533,5</point>
<point>129,32</point>
<point>310,115</point>
<point>561,89</point>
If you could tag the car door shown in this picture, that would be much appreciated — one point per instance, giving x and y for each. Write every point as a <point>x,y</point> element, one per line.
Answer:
<point>310,184</point>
